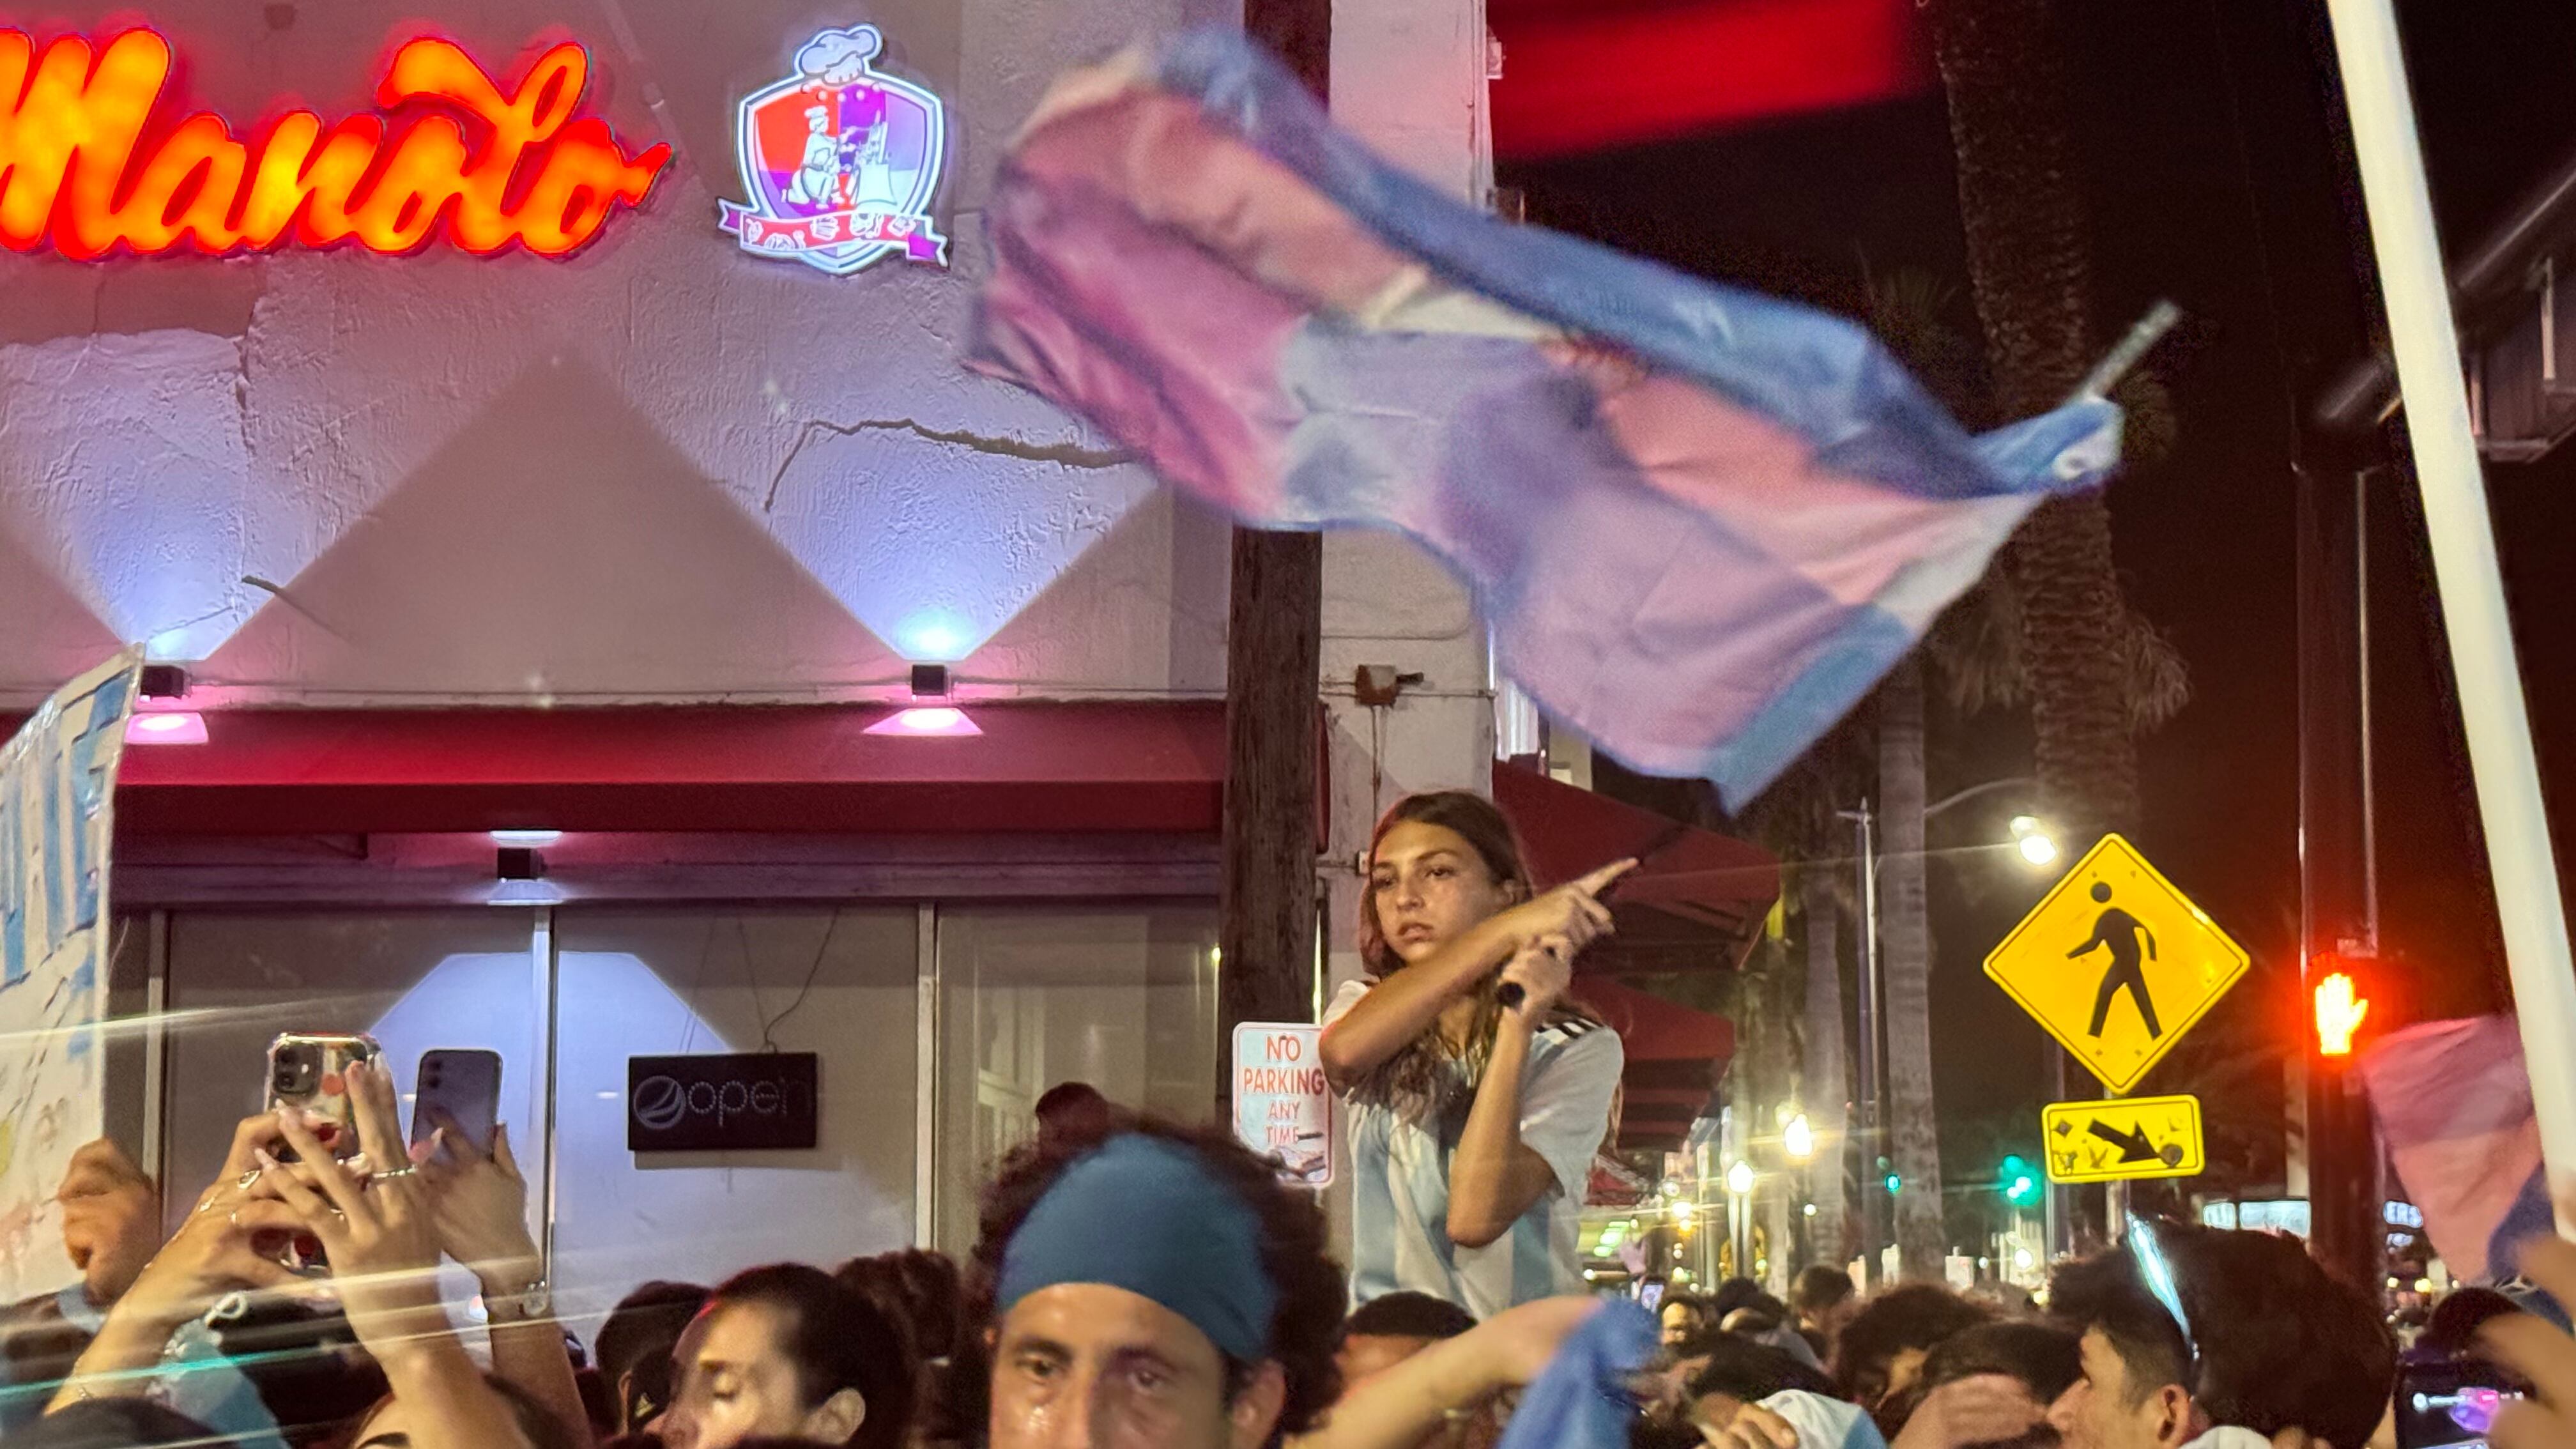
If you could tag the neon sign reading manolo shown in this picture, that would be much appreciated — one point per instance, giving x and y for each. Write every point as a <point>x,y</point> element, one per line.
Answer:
<point>76,169</point>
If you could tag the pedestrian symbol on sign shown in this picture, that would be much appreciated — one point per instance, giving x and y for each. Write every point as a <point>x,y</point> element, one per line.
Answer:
<point>2114,927</point>
<point>2119,932</point>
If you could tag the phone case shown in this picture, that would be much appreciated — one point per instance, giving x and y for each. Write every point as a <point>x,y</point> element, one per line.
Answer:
<point>463,1083</point>
<point>322,1090</point>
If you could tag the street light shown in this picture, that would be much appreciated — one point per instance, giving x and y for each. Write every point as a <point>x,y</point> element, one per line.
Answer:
<point>1797,1139</point>
<point>2033,840</point>
<point>1739,1178</point>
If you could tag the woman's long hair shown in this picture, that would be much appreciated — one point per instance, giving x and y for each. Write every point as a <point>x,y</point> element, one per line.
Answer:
<point>1425,1079</point>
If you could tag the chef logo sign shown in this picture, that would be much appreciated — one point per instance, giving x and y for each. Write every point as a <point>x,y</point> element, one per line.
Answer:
<point>840,161</point>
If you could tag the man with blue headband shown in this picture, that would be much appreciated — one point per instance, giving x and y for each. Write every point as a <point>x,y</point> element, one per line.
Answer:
<point>1152,1287</point>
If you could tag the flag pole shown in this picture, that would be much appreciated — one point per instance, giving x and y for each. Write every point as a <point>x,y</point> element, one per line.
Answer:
<point>2426,344</point>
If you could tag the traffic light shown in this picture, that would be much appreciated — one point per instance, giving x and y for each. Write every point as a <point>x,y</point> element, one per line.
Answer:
<point>1895,1184</point>
<point>2340,1011</point>
<point>2020,1184</point>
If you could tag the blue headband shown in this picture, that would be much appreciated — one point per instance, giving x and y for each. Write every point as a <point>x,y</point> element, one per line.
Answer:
<point>1144,1214</point>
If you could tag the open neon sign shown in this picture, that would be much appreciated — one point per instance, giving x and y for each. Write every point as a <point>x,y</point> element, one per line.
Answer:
<point>76,170</point>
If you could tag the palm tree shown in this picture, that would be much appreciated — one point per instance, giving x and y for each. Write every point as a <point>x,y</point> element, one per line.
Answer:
<point>1823,1085</point>
<point>2031,274</point>
<point>1905,966</point>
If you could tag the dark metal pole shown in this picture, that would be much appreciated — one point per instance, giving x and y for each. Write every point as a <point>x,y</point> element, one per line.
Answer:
<point>1873,1117</point>
<point>2334,871</point>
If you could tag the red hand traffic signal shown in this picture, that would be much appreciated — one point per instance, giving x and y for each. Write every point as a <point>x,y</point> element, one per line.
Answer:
<point>2340,1011</point>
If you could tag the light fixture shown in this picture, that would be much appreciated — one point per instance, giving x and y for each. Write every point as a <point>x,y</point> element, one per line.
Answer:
<point>1672,1187</point>
<point>930,681</point>
<point>929,722</point>
<point>2021,1260</point>
<point>1682,1210</point>
<point>166,727</point>
<point>518,862</point>
<point>1811,1209</point>
<point>1739,1178</point>
<point>2031,837</point>
<point>162,681</point>
<point>528,838</point>
<point>1798,1139</point>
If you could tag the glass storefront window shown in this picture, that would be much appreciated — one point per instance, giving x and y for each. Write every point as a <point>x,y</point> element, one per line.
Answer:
<point>654,982</point>
<point>1121,997</point>
<point>412,979</point>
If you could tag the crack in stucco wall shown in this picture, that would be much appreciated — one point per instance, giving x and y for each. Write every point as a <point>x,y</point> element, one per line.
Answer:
<point>1069,455</point>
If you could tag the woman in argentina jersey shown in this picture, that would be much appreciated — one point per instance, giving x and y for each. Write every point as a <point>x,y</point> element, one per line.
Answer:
<point>1473,1124</point>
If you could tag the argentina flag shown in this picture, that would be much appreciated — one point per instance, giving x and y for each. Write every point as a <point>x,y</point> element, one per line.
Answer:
<point>1701,523</point>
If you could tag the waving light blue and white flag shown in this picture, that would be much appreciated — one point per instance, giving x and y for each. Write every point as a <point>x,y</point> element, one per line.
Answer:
<point>1701,522</point>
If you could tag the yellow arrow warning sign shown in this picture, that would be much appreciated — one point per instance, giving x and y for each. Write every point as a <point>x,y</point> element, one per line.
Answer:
<point>2130,1137</point>
<point>2116,963</point>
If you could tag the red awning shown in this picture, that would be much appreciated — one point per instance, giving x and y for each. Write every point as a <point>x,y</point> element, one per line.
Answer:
<point>1036,767</point>
<point>1580,75</point>
<point>1675,1057</point>
<point>1698,902</point>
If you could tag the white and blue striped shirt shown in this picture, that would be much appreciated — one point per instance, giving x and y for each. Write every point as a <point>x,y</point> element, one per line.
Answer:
<point>1400,1181</point>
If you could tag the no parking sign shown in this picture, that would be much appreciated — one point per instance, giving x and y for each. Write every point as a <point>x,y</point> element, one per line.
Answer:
<point>1283,1107</point>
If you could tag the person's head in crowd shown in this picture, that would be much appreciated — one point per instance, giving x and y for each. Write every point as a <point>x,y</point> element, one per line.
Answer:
<point>918,1289</point>
<point>1824,1300</point>
<point>2043,1360</point>
<point>1681,1315</point>
<point>1391,1328</point>
<point>1881,1350</point>
<point>1074,1107</point>
<point>787,1352</point>
<point>1439,864</point>
<point>392,1423</point>
<point>2261,1338</point>
<point>1736,1372</point>
<point>2453,1325</point>
<point>1155,1288</point>
<point>634,1347</point>
<point>1733,1294</point>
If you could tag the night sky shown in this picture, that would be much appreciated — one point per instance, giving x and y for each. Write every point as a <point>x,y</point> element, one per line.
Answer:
<point>2218,174</point>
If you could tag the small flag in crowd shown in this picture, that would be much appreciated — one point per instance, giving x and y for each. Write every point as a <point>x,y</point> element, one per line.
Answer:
<point>2454,1106</point>
<point>1581,1400</point>
<point>1702,523</point>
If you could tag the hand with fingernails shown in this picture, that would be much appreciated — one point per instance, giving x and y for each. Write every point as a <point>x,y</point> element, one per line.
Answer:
<point>2539,1353</point>
<point>480,1204</point>
<point>1551,928</point>
<point>111,1220</point>
<point>377,1225</point>
<point>214,1253</point>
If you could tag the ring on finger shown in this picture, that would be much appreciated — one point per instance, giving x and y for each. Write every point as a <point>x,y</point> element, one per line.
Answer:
<point>389,1174</point>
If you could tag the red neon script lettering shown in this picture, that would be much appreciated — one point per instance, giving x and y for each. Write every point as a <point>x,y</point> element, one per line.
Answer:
<point>75,169</point>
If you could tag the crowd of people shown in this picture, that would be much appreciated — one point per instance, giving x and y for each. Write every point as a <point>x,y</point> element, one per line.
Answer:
<point>1147,1285</point>
<point>1144,1284</point>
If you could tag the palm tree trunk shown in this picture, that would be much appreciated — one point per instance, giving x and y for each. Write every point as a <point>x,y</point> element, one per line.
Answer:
<point>1825,1092</point>
<point>2031,271</point>
<point>1905,935</point>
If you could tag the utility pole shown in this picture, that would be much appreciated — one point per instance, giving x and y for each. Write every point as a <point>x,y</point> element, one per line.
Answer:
<point>1274,643</point>
<point>2338,885</point>
<point>2426,343</point>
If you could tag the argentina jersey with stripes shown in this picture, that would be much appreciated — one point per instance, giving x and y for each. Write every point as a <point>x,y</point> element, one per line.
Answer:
<point>1400,1180</point>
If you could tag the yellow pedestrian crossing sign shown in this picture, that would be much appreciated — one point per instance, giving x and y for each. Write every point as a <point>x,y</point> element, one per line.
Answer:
<point>2125,1138</point>
<point>2116,963</point>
